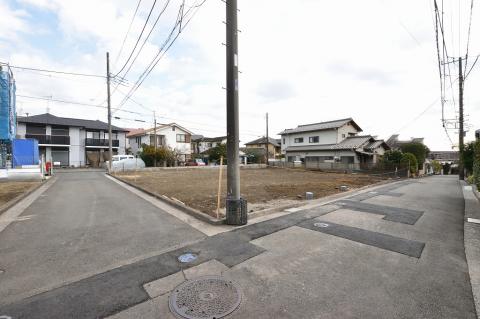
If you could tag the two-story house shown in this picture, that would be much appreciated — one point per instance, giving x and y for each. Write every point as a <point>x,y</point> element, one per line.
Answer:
<point>201,144</point>
<point>69,141</point>
<point>170,135</point>
<point>332,141</point>
<point>274,148</point>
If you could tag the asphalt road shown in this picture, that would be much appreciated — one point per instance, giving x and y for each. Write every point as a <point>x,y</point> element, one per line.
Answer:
<point>82,225</point>
<point>396,252</point>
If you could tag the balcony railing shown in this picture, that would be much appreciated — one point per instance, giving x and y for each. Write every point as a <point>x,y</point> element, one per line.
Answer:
<point>50,139</point>
<point>100,142</point>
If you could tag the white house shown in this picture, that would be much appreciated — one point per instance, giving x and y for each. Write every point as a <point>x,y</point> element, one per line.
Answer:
<point>170,135</point>
<point>332,141</point>
<point>201,144</point>
<point>69,141</point>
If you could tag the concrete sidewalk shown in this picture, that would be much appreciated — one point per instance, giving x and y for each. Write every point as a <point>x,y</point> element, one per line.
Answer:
<point>396,252</point>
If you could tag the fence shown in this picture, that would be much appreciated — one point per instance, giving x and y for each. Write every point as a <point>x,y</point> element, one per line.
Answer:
<point>379,169</point>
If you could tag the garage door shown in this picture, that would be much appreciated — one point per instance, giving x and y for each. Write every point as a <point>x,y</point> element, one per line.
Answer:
<point>60,156</point>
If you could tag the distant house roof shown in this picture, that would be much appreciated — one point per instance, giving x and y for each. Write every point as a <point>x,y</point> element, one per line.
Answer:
<point>161,126</point>
<point>262,140</point>
<point>196,137</point>
<point>366,142</point>
<point>50,119</point>
<point>134,131</point>
<point>322,126</point>
<point>394,142</point>
<point>444,155</point>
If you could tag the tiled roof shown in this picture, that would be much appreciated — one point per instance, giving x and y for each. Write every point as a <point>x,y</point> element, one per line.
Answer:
<point>321,126</point>
<point>50,119</point>
<point>210,139</point>
<point>366,142</point>
<point>262,140</point>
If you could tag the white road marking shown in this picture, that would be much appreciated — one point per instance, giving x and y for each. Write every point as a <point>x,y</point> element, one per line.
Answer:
<point>293,210</point>
<point>473,220</point>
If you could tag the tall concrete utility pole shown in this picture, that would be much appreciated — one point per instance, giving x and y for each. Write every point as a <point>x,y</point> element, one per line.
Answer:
<point>235,206</point>
<point>110,155</point>
<point>266,141</point>
<point>155,138</point>
<point>461,132</point>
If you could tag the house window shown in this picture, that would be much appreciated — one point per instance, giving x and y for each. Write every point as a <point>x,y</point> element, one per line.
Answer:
<point>298,140</point>
<point>138,139</point>
<point>343,135</point>
<point>283,140</point>
<point>313,139</point>
<point>209,144</point>
<point>173,128</point>
<point>181,138</point>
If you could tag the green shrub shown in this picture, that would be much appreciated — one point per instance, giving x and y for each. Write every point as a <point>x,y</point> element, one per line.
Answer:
<point>476,164</point>
<point>163,155</point>
<point>409,158</point>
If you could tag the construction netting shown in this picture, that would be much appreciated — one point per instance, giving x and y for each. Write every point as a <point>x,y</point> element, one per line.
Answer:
<point>8,121</point>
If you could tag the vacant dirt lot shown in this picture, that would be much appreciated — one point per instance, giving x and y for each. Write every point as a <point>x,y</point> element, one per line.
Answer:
<point>10,190</point>
<point>197,188</point>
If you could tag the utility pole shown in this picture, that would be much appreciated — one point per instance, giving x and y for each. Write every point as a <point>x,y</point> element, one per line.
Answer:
<point>266,139</point>
<point>236,207</point>
<point>109,116</point>
<point>461,132</point>
<point>155,138</point>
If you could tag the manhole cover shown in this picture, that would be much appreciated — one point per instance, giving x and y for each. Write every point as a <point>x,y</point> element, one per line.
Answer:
<point>323,225</point>
<point>207,297</point>
<point>186,258</point>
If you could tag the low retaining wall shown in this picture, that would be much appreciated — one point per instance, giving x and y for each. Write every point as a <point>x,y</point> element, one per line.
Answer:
<point>153,169</point>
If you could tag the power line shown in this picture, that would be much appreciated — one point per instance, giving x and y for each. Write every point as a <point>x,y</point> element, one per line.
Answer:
<point>138,39</point>
<point>128,31</point>
<point>161,53</point>
<point>468,37</point>
<point>52,71</point>
<point>147,37</point>
<point>73,102</point>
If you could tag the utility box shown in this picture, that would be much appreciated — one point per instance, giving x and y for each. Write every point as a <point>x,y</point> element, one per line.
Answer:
<point>25,152</point>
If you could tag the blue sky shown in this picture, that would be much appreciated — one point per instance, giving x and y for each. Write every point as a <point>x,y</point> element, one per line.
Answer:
<point>312,61</point>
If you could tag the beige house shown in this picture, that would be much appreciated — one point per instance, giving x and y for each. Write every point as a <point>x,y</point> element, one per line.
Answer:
<point>274,148</point>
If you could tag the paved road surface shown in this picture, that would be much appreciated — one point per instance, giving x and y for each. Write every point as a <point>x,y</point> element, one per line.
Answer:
<point>83,224</point>
<point>396,252</point>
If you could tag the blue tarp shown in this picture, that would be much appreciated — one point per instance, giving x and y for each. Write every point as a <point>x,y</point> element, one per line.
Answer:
<point>8,119</point>
<point>25,152</point>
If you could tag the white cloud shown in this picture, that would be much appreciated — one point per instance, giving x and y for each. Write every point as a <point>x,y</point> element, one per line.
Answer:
<point>304,62</point>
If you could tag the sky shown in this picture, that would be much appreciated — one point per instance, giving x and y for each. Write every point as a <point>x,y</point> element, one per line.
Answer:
<point>302,61</point>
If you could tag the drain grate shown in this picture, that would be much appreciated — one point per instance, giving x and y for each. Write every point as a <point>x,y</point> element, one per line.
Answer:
<point>209,297</point>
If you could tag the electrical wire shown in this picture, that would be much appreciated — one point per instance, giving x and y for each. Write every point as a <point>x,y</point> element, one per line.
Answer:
<point>138,39</point>
<point>147,37</point>
<point>126,34</point>
<point>468,36</point>
<point>52,71</point>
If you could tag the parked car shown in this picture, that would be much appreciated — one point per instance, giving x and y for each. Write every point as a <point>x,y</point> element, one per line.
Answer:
<point>195,162</point>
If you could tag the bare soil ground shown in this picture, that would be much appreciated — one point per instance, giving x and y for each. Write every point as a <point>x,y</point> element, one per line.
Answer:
<point>261,188</point>
<point>11,190</point>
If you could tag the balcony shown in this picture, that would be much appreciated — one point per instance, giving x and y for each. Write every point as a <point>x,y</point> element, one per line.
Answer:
<point>100,142</point>
<point>50,139</point>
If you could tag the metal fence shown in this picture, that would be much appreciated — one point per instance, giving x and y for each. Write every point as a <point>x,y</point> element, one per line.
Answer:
<point>378,169</point>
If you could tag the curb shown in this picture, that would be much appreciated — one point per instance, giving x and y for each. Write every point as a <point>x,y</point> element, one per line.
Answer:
<point>17,199</point>
<point>471,240</point>
<point>184,208</point>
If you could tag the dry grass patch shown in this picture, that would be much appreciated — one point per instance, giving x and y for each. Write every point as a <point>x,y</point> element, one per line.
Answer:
<point>11,190</point>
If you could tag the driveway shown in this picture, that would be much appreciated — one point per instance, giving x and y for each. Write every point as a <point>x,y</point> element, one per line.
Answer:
<point>82,225</point>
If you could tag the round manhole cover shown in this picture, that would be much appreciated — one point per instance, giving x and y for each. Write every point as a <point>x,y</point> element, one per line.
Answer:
<point>323,225</point>
<point>208,297</point>
<point>186,258</point>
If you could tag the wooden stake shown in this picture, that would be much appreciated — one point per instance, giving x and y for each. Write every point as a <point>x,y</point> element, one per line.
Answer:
<point>219,186</point>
